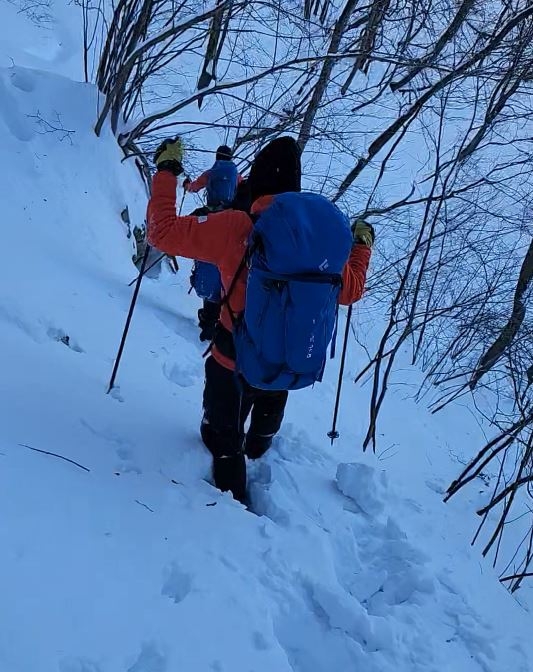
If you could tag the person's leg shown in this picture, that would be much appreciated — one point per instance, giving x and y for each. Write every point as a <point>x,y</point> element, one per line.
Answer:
<point>221,428</point>
<point>267,415</point>
<point>208,318</point>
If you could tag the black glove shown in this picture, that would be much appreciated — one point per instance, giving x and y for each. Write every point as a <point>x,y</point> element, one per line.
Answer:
<point>363,233</point>
<point>169,154</point>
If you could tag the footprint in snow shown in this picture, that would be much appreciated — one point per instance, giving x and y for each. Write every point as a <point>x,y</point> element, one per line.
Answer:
<point>179,375</point>
<point>321,631</point>
<point>122,447</point>
<point>260,642</point>
<point>389,570</point>
<point>127,464</point>
<point>386,569</point>
<point>178,324</point>
<point>437,485</point>
<point>29,328</point>
<point>296,445</point>
<point>364,486</point>
<point>177,585</point>
<point>62,337</point>
<point>23,80</point>
<point>16,122</point>
<point>150,659</point>
<point>261,501</point>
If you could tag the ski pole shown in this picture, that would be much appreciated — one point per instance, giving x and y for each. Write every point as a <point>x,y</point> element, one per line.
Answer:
<point>181,202</point>
<point>132,308</point>
<point>334,434</point>
<point>128,320</point>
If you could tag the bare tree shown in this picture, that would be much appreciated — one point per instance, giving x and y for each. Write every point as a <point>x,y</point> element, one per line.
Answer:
<point>414,114</point>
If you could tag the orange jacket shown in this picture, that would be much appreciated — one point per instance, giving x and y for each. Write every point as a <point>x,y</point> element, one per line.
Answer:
<point>201,182</point>
<point>221,238</point>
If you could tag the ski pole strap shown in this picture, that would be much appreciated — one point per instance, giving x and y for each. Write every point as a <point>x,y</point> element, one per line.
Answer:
<point>335,332</point>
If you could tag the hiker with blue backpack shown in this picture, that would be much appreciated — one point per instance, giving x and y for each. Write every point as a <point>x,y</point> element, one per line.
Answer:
<point>220,183</point>
<point>285,268</point>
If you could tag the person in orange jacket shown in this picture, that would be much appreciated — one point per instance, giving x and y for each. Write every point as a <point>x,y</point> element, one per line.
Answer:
<point>220,181</point>
<point>221,238</point>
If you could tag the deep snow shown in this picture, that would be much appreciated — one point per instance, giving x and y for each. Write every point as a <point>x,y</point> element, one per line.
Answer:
<point>351,562</point>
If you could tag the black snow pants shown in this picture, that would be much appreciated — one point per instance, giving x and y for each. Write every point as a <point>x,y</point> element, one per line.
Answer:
<point>228,402</point>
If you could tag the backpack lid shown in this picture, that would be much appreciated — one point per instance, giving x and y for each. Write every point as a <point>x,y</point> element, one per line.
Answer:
<point>303,233</point>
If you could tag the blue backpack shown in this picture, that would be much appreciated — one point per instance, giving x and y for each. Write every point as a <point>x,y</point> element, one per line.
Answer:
<point>296,255</point>
<point>206,282</point>
<point>221,183</point>
<point>205,277</point>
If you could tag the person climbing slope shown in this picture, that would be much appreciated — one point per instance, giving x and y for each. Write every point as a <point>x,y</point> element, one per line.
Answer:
<point>220,183</point>
<point>285,268</point>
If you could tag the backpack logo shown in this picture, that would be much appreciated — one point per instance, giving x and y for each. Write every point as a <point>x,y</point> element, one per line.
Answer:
<point>324,265</point>
<point>311,346</point>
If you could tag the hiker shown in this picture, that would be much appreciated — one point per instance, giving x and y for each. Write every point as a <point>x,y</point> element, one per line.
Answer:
<point>285,268</point>
<point>205,278</point>
<point>220,183</point>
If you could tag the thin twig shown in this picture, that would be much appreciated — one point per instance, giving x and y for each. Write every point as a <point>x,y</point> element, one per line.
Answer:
<point>61,457</point>
<point>144,505</point>
<point>516,576</point>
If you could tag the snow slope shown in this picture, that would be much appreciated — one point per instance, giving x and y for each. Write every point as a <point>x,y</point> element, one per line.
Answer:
<point>130,560</point>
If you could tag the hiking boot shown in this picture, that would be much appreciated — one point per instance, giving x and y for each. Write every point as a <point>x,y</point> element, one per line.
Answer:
<point>229,474</point>
<point>256,445</point>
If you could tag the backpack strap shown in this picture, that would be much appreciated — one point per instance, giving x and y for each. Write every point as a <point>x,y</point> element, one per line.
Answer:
<point>227,295</point>
<point>222,336</point>
<point>219,329</point>
<point>250,249</point>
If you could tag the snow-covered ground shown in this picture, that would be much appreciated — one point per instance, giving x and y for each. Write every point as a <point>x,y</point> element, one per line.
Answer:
<point>130,560</point>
